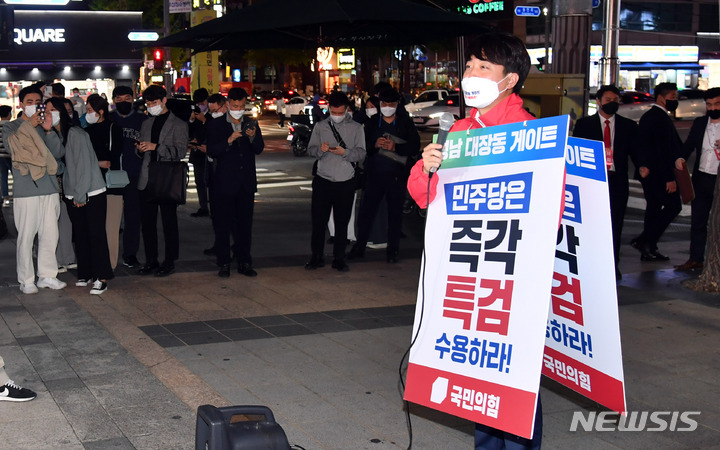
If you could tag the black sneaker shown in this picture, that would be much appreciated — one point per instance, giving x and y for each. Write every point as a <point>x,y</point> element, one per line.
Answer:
<point>99,287</point>
<point>130,262</point>
<point>11,392</point>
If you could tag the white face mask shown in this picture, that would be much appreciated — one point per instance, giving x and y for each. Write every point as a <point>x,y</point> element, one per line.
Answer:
<point>388,111</point>
<point>55,117</point>
<point>236,114</point>
<point>30,110</point>
<point>337,119</point>
<point>217,114</point>
<point>480,92</point>
<point>155,110</point>
<point>370,111</point>
<point>92,117</point>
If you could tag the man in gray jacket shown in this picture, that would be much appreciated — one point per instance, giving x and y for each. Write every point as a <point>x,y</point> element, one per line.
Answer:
<point>163,137</point>
<point>338,143</point>
<point>36,205</point>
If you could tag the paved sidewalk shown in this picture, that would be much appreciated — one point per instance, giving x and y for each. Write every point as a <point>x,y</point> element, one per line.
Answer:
<point>128,369</point>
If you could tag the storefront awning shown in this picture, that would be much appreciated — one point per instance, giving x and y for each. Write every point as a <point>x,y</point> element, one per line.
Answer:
<point>660,66</point>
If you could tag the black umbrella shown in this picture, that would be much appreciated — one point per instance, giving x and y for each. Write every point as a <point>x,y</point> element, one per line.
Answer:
<point>326,23</point>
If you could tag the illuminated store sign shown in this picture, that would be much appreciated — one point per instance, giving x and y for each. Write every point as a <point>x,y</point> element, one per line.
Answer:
<point>24,35</point>
<point>346,58</point>
<point>482,6</point>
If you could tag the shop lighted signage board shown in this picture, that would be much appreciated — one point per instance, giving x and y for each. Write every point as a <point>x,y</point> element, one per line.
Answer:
<point>38,2</point>
<point>62,35</point>
<point>142,36</point>
<point>482,6</point>
<point>346,58</point>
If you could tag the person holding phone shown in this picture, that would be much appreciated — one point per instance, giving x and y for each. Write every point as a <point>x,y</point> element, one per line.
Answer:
<point>232,142</point>
<point>337,143</point>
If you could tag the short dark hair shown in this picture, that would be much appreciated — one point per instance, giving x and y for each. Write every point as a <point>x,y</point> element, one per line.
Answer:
<point>5,111</point>
<point>712,93</point>
<point>503,49</point>
<point>389,95</point>
<point>664,88</point>
<point>154,92</point>
<point>217,98</point>
<point>200,95</point>
<point>122,90</point>
<point>29,90</point>
<point>237,93</point>
<point>381,86</point>
<point>76,89</point>
<point>606,88</point>
<point>98,104</point>
<point>338,98</point>
<point>58,89</point>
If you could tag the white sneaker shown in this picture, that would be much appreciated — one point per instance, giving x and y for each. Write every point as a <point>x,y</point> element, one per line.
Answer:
<point>29,288</point>
<point>98,287</point>
<point>81,282</point>
<point>52,283</point>
<point>62,269</point>
<point>72,266</point>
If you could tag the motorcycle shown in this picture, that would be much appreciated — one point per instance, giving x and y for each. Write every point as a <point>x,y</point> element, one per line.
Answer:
<point>300,127</point>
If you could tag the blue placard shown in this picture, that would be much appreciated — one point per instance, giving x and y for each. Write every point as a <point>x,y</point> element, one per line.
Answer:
<point>236,75</point>
<point>585,158</point>
<point>596,3</point>
<point>523,141</point>
<point>527,11</point>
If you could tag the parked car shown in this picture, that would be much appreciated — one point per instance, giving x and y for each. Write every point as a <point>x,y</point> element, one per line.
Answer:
<point>295,105</point>
<point>634,104</point>
<point>691,104</point>
<point>429,117</point>
<point>426,98</point>
<point>268,101</point>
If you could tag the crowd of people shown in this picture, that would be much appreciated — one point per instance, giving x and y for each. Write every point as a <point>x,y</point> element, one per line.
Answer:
<point>659,157</point>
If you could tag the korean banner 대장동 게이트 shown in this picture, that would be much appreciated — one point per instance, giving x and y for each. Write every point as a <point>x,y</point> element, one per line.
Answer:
<point>489,257</point>
<point>582,347</point>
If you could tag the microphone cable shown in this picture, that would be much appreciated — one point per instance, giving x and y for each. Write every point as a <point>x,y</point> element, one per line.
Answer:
<point>417,333</point>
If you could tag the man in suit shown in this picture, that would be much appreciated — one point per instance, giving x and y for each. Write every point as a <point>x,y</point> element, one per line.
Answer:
<point>704,138</point>
<point>163,137</point>
<point>662,150</point>
<point>619,135</point>
<point>233,142</point>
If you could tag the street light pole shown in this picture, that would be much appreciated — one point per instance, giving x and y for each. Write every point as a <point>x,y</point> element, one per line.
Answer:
<point>166,22</point>
<point>609,63</point>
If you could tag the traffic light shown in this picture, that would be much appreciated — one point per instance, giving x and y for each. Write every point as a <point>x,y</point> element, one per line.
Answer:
<point>159,57</point>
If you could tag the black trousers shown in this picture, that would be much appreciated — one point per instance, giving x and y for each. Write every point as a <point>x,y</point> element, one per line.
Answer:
<point>233,214</point>
<point>662,207</point>
<point>131,219</point>
<point>378,186</point>
<point>199,168</point>
<point>618,206</point>
<point>168,214</point>
<point>91,247</point>
<point>281,119</point>
<point>704,185</point>
<point>338,197</point>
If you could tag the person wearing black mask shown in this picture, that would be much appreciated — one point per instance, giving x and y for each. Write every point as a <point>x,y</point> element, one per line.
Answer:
<point>619,135</point>
<point>662,150</point>
<point>704,138</point>
<point>125,117</point>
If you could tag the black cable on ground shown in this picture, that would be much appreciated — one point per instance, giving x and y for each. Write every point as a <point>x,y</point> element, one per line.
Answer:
<point>412,342</point>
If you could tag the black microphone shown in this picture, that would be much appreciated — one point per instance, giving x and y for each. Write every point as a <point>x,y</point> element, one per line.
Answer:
<point>446,122</point>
